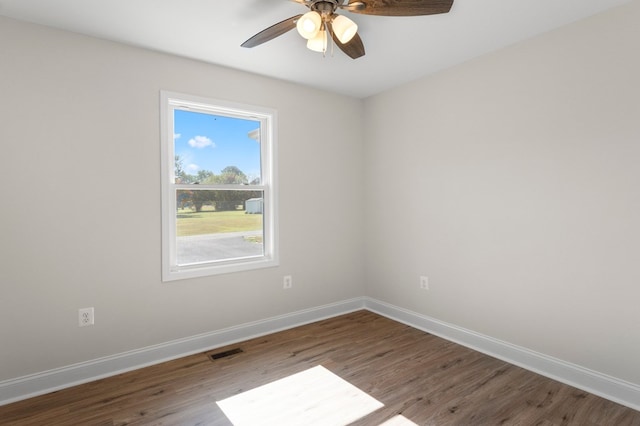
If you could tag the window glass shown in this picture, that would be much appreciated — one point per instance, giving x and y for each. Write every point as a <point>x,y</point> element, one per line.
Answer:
<point>215,149</point>
<point>214,225</point>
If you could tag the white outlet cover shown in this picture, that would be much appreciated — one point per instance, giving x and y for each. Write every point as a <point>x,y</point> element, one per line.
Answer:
<point>424,283</point>
<point>287,282</point>
<point>85,317</point>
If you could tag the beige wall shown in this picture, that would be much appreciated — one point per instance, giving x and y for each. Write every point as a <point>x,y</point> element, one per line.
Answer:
<point>80,216</point>
<point>513,182</point>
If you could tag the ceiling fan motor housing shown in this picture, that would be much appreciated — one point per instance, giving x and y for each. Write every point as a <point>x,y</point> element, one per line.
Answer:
<point>325,8</point>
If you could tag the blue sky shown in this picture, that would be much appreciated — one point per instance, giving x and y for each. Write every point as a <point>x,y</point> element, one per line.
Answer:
<point>213,142</point>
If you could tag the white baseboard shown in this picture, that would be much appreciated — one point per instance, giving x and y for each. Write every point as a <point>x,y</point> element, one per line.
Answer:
<point>622,392</point>
<point>608,387</point>
<point>49,381</point>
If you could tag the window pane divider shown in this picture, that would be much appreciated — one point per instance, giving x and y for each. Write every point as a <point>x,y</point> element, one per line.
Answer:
<point>230,187</point>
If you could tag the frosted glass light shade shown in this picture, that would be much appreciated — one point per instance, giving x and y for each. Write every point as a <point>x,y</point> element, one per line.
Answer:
<point>319,42</point>
<point>309,24</point>
<point>344,28</point>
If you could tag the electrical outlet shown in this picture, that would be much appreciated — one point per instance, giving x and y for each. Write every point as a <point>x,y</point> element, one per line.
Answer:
<point>424,283</point>
<point>85,317</point>
<point>287,283</point>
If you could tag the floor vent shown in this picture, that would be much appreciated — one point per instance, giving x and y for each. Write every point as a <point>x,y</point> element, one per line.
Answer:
<point>225,354</point>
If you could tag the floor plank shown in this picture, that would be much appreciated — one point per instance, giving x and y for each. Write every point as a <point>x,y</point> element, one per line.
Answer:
<point>428,380</point>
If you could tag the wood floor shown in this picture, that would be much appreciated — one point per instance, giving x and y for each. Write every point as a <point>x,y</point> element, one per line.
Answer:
<point>428,380</point>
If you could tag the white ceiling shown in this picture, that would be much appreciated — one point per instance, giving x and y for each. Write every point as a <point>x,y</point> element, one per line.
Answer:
<point>399,49</point>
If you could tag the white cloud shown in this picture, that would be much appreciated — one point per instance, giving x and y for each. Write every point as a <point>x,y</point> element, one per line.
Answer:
<point>192,169</point>
<point>201,142</point>
<point>176,136</point>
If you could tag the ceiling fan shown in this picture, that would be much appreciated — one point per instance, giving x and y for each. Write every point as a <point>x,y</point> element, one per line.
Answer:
<point>322,21</point>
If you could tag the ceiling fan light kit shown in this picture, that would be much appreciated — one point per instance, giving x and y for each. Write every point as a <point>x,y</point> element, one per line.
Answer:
<point>321,21</point>
<point>309,25</point>
<point>344,28</point>
<point>319,42</point>
<point>313,27</point>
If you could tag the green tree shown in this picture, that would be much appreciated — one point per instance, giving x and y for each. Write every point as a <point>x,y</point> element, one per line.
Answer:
<point>178,169</point>
<point>230,200</point>
<point>205,176</point>
<point>200,198</point>
<point>232,175</point>
<point>184,198</point>
<point>222,200</point>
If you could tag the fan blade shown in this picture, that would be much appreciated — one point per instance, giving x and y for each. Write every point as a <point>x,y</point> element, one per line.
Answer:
<point>272,32</point>
<point>354,48</point>
<point>399,7</point>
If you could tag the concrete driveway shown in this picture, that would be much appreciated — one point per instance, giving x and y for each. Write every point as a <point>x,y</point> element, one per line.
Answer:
<point>204,248</point>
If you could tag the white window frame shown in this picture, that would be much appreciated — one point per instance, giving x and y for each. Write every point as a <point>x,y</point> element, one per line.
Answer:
<point>170,101</point>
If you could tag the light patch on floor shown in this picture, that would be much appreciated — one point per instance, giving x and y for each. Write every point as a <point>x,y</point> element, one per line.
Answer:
<point>398,420</point>
<point>312,397</point>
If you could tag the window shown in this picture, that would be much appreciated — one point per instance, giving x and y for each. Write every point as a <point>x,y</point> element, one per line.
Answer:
<point>218,187</point>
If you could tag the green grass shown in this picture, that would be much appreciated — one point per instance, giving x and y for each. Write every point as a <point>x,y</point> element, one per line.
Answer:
<point>212,222</point>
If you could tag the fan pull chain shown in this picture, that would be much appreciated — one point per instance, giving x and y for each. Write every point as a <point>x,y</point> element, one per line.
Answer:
<point>329,32</point>
<point>326,37</point>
